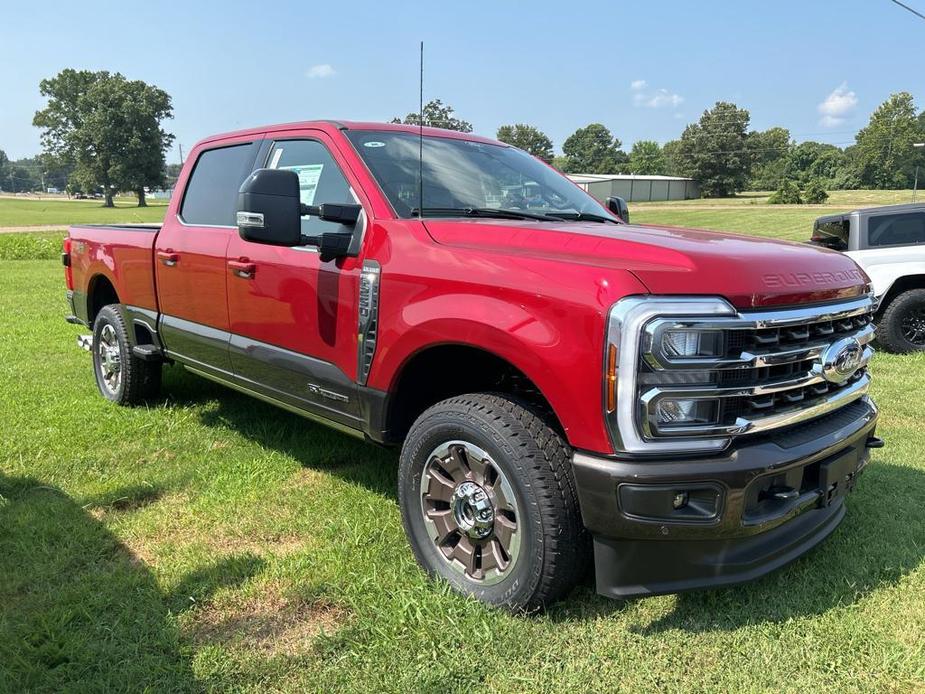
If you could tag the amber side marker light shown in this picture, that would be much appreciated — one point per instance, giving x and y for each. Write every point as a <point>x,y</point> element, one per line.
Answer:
<point>611,378</point>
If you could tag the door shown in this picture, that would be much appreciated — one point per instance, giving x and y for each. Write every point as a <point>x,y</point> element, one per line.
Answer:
<point>190,258</point>
<point>293,319</point>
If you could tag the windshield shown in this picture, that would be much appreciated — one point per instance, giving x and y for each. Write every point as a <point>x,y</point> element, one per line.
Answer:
<point>463,177</point>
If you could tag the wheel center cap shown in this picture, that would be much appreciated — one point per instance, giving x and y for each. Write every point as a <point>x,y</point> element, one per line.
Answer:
<point>472,510</point>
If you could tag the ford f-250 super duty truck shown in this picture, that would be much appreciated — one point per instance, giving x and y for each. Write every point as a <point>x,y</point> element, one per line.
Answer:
<point>691,405</point>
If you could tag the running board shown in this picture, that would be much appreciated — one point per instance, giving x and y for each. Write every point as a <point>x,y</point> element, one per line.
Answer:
<point>85,342</point>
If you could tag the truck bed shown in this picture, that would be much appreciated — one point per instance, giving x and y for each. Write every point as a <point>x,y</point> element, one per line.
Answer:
<point>122,255</point>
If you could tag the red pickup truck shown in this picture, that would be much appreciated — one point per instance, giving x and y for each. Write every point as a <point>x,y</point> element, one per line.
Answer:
<point>690,406</point>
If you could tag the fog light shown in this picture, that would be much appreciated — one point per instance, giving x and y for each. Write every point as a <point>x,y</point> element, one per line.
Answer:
<point>670,411</point>
<point>689,343</point>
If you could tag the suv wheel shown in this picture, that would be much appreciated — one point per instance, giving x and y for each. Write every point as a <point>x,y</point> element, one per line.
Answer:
<point>902,325</point>
<point>120,376</point>
<point>488,502</point>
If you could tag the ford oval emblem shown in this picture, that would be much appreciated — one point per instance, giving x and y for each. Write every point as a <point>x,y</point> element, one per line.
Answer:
<point>841,359</point>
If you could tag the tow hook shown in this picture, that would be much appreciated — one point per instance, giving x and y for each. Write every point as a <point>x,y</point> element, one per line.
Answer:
<point>874,442</point>
<point>85,342</point>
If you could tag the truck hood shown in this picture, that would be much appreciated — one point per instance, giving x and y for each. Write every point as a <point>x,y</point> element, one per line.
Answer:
<point>747,271</point>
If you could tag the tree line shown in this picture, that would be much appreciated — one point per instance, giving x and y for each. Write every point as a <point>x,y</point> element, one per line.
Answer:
<point>726,157</point>
<point>102,133</point>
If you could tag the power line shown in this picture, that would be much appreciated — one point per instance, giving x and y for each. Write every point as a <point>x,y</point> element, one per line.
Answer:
<point>906,7</point>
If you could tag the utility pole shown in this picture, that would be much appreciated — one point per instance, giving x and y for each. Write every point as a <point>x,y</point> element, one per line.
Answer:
<point>915,187</point>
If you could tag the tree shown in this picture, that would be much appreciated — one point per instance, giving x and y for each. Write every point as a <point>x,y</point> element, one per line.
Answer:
<point>671,153</point>
<point>811,160</point>
<point>646,158</point>
<point>885,156</point>
<point>527,138</point>
<point>437,115</point>
<point>770,151</point>
<point>593,149</point>
<point>107,127</point>
<point>715,150</point>
<point>788,193</point>
<point>815,193</point>
<point>4,165</point>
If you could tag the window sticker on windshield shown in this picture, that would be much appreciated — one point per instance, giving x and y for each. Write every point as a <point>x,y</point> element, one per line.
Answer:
<point>274,162</point>
<point>309,175</point>
<point>374,143</point>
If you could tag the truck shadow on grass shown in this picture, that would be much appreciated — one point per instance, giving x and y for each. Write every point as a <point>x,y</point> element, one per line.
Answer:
<point>78,610</point>
<point>313,445</point>
<point>877,544</point>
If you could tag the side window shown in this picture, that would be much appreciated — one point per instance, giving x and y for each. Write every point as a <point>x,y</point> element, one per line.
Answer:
<point>896,229</point>
<point>212,190</point>
<point>320,179</point>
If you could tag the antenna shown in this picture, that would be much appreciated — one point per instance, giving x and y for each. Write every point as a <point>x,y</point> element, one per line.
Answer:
<point>421,138</point>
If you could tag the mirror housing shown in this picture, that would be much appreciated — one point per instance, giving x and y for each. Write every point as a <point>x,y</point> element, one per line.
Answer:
<point>269,209</point>
<point>618,207</point>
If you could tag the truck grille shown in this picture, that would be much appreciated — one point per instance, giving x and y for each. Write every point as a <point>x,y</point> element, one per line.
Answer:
<point>764,369</point>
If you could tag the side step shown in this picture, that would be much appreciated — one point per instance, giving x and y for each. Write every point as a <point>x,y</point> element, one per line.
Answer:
<point>147,353</point>
<point>85,342</point>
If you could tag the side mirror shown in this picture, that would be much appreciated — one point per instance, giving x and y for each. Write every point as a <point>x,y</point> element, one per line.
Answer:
<point>619,208</point>
<point>269,209</point>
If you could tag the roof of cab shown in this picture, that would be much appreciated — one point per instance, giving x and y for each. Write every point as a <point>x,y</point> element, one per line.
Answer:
<point>350,125</point>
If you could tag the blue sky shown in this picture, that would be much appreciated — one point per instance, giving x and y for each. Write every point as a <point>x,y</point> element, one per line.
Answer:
<point>644,69</point>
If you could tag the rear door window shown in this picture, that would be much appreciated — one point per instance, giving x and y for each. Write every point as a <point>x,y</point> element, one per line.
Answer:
<point>212,190</point>
<point>832,233</point>
<point>896,229</point>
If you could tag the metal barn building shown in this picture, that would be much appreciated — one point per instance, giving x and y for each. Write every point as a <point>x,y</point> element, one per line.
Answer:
<point>634,188</point>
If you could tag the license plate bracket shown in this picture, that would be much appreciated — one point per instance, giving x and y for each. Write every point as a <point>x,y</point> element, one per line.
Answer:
<point>838,477</point>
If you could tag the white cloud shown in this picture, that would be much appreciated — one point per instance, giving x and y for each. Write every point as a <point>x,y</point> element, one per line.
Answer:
<point>660,98</point>
<point>638,85</point>
<point>837,106</point>
<point>320,71</point>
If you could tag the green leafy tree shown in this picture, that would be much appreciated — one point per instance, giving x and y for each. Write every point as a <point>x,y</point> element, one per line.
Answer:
<point>817,161</point>
<point>4,166</point>
<point>527,138</point>
<point>788,193</point>
<point>671,152</point>
<point>646,157</point>
<point>770,151</point>
<point>108,128</point>
<point>594,150</point>
<point>715,151</point>
<point>885,156</point>
<point>815,193</point>
<point>437,115</point>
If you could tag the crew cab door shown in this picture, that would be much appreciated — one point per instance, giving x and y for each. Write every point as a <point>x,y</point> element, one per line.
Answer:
<point>190,257</point>
<point>293,318</point>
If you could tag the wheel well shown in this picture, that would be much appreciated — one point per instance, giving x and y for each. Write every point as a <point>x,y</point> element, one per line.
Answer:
<point>903,284</point>
<point>100,293</point>
<point>442,372</point>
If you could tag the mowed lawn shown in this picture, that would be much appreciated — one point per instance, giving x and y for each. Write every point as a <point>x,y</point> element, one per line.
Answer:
<point>211,542</point>
<point>26,212</point>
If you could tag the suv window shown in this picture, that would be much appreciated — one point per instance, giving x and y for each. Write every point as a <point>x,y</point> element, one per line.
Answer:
<point>832,233</point>
<point>212,190</point>
<point>896,229</point>
<point>320,179</point>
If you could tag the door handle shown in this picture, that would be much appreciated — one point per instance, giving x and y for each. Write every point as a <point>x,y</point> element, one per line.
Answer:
<point>168,258</point>
<point>242,268</point>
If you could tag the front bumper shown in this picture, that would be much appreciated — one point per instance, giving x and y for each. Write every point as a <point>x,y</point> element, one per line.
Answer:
<point>663,526</point>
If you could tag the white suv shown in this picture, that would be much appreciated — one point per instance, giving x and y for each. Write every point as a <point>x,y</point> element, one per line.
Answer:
<point>889,244</point>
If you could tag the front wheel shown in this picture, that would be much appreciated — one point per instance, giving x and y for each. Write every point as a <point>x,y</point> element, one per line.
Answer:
<point>902,326</point>
<point>488,502</point>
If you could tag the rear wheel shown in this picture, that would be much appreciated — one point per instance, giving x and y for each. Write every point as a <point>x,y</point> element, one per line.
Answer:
<point>488,502</point>
<point>120,376</point>
<point>902,325</point>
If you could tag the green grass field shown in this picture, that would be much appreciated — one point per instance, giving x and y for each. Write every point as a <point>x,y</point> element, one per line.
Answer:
<point>22,212</point>
<point>211,542</point>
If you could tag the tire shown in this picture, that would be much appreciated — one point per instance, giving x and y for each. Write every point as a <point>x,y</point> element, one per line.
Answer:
<point>896,331</point>
<point>506,450</point>
<point>120,376</point>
